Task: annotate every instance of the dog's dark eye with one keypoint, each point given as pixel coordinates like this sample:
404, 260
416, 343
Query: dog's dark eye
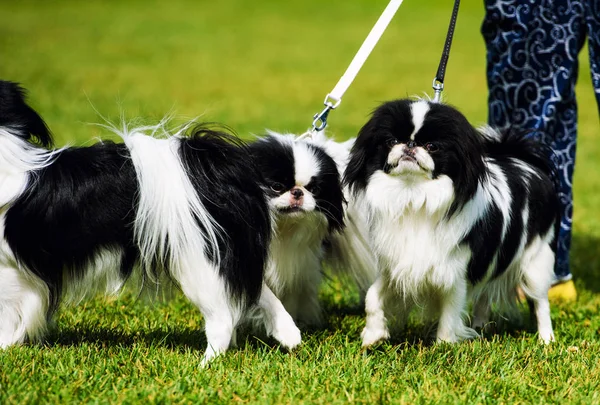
313, 188
431, 147
391, 142
277, 187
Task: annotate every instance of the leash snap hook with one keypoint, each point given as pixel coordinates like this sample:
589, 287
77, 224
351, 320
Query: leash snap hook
438, 87
320, 119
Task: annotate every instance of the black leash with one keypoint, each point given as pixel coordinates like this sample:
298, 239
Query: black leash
438, 81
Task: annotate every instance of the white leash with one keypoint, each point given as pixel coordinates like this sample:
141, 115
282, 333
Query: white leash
334, 98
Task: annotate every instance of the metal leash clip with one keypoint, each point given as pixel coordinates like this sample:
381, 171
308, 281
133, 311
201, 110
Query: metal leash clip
334, 98
320, 119
438, 87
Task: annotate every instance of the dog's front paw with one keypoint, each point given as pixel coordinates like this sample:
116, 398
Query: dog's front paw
209, 356
546, 337
370, 336
456, 335
288, 334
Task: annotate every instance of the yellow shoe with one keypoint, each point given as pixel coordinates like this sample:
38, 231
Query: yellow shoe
563, 292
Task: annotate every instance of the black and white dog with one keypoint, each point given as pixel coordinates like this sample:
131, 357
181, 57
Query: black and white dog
76, 221
452, 209
313, 225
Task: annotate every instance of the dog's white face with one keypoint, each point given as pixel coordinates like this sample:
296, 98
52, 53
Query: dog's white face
294, 201
408, 156
300, 178
421, 144
300, 198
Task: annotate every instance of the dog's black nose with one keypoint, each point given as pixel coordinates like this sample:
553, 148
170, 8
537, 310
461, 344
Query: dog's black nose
411, 144
297, 193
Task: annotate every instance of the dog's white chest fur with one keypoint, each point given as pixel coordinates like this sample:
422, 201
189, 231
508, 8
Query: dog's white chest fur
415, 244
294, 271
418, 253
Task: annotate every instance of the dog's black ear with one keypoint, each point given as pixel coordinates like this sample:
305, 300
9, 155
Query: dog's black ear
20, 117
356, 176
334, 209
330, 198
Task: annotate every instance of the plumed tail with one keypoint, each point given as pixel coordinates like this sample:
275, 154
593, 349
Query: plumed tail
520, 145
22, 133
17, 117
216, 134
19, 156
526, 147
172, 228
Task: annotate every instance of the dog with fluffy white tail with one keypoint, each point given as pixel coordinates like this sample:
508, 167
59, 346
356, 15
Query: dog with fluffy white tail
187, 210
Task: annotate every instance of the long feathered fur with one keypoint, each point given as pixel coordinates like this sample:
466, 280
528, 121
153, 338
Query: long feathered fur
81, 220
451, 210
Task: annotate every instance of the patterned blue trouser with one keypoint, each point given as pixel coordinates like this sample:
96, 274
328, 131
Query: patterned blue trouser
532, 48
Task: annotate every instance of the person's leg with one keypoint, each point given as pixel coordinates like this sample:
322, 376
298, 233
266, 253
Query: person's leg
531, 70
592, 15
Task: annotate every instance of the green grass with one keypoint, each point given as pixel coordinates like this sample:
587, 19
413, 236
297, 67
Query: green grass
263, 64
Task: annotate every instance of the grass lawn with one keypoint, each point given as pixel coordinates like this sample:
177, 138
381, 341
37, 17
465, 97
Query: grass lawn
268, 64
